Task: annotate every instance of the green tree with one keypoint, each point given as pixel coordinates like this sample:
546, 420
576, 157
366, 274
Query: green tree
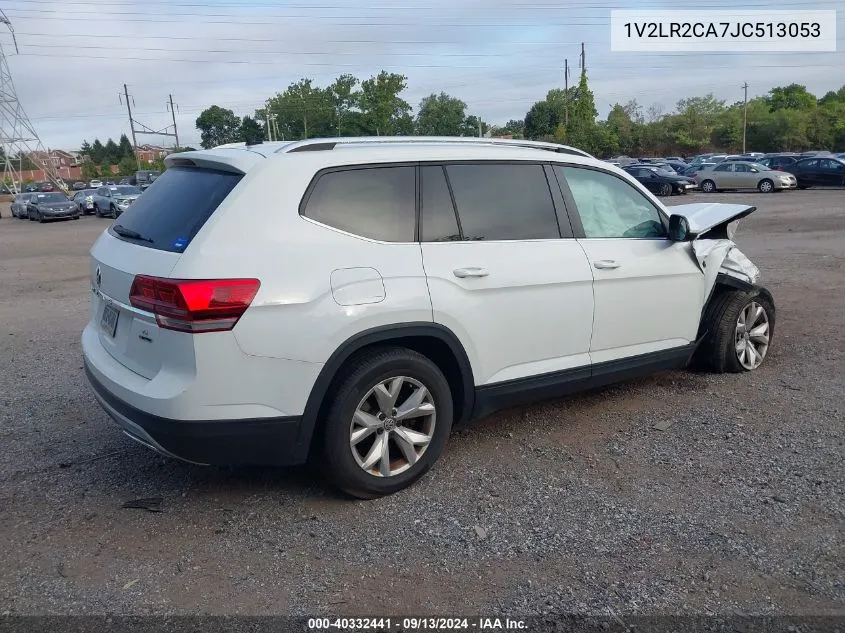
471, 126
112, 153
89, 170
441, 115
126, 149
792, 97
127, 165
303, 111
542, 120
385, 112
85, 148
251, 132
581, 130
218, 126
345, 101
691, 128
98, 152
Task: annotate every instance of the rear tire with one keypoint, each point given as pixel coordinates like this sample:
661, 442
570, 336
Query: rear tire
719, 351
353, 399
708, 186
765, 186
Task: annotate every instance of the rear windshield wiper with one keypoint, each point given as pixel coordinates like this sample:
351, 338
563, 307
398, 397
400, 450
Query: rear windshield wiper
132, 235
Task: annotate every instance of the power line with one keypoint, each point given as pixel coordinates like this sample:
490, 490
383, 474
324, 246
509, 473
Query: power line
374, 63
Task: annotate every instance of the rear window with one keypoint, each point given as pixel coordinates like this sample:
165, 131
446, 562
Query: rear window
171, 212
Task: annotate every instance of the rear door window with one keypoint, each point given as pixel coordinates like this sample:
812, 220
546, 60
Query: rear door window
171, 212
438, 222
503, 201
374, 202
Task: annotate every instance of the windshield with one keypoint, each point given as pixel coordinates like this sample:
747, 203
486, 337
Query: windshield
126, 190
663, 171
760, 167
51, 197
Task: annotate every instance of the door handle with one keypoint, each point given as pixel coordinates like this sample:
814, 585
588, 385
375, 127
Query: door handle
470, 271
606, 264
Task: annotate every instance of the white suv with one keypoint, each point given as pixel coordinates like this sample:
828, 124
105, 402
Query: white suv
350, 300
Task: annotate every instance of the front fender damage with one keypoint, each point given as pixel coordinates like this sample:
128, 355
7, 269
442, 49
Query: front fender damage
713, 226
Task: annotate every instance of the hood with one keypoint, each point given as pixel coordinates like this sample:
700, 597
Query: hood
130, 197
56, 205
711, 217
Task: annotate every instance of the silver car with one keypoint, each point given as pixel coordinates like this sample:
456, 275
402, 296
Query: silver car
744, 175
112, 200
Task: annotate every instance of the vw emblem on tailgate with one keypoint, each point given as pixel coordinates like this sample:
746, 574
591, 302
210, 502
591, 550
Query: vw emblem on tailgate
98, 277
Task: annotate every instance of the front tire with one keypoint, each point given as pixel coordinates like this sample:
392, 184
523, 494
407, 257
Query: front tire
766, 186
740, 327
708, 186
665, 190
389, 418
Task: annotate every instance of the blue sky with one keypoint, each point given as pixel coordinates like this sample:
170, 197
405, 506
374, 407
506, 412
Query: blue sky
499, 57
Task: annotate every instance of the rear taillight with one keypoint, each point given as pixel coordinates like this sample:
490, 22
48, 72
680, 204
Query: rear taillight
194, 305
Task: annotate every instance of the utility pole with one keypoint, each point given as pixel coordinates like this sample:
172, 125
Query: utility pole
131, 124
139, 128
583, 59
479, 128
173, 112
744, 115
566, 91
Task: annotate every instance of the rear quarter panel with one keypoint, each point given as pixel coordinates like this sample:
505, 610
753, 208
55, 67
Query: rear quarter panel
258, 232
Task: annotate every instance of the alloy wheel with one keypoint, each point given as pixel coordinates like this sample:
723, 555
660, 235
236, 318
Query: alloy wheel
392, 426
752, 335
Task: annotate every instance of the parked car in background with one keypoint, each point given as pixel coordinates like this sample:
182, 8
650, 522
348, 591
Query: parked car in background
623, 160
114, 200
18, 206
752, 156
95, 183
816, 152
78, 186
678, 165
819, 172
47, 187
744, 175
125, 181
693, 170
51, 206
85, 201
143, 178
779, 162
674, 159
660, 181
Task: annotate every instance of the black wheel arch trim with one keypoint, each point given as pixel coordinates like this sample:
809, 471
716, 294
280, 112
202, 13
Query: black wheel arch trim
382, 334
727, 281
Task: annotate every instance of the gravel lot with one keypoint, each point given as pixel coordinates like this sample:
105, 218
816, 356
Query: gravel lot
577, 505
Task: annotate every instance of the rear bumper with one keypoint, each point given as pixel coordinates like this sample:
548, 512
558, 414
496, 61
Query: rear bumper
269, 441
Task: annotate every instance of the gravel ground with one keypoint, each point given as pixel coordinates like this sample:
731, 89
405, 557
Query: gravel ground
581, 505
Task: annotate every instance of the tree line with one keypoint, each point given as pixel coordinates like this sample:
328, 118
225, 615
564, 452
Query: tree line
787, 118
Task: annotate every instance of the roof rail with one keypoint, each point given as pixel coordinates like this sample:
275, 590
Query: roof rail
323, 144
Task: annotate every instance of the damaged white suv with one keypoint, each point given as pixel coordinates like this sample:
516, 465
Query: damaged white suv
350, 300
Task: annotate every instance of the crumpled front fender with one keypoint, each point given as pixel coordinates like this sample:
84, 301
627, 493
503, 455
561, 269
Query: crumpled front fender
722, 256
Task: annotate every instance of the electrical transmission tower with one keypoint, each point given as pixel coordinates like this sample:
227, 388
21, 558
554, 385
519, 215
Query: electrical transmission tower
19, 143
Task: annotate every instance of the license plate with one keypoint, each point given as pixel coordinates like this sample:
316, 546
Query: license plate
109, 319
